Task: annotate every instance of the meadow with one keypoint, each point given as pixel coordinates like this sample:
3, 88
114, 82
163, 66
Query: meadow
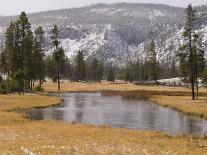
19, 135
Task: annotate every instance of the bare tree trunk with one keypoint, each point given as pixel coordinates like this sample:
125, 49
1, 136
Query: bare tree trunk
196, 73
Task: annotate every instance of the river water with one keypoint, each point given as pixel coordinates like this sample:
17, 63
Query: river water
95, 109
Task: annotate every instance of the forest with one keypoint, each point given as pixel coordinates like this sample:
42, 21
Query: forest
23, 60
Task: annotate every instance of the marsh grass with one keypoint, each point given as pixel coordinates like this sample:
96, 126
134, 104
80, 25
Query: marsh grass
18, 135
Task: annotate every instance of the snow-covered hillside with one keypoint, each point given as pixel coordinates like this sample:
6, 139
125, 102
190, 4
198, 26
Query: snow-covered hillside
113, 33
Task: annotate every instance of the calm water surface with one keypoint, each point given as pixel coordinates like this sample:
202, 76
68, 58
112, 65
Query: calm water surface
95, 109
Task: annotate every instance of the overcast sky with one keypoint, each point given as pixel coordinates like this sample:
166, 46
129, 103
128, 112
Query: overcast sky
13, 7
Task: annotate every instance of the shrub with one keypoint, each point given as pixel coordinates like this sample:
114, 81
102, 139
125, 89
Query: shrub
38, 88
54, 79
3, 89
12, 86
9, 86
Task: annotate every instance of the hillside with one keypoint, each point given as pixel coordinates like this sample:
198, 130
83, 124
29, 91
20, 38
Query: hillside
113, 33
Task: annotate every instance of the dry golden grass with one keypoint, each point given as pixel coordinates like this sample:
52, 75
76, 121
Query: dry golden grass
183, 104
19, 135
10, 103
59, 138
91, 87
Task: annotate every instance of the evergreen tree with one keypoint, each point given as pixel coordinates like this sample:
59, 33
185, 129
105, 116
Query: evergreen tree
10, 49
18, 47
128, 72
58, 52
25, 46
199, 52
100, 71
4, 62
188, 55
51, 68
152, 61
173, 70
59, 57
111, 75
38, 56
80, 70
55, 37
66, 69
95, 70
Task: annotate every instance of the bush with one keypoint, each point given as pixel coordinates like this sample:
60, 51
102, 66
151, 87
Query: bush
54, 79
3, 89
38, 88
12, 86
9, 86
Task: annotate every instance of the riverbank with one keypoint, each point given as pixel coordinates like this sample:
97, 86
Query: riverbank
19, 135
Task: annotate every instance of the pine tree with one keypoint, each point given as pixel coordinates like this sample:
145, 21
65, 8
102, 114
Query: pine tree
25, 47
38, 56
55, 37
4, 62
51, 68
58, 52
80, 70
100, 70
9, 48
152, 61
95, 70
18, 46
59, 57
111, 75
199, 52
188, 53
128, 72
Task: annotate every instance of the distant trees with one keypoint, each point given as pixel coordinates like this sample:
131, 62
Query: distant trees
111, 74
95, 70
128, 72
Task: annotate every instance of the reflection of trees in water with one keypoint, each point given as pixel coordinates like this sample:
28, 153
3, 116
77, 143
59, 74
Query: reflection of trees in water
80, 105
57, 114
193, 126
35, 114
80, 101
79, 116
152, 117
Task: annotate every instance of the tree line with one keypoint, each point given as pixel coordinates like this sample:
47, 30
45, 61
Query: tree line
23, 60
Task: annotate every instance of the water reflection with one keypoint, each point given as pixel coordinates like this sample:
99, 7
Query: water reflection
92, 108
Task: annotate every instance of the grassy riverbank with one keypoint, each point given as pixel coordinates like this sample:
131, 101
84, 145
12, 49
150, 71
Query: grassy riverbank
18, 135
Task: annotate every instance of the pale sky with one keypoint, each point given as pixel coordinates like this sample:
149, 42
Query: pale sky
14, 7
